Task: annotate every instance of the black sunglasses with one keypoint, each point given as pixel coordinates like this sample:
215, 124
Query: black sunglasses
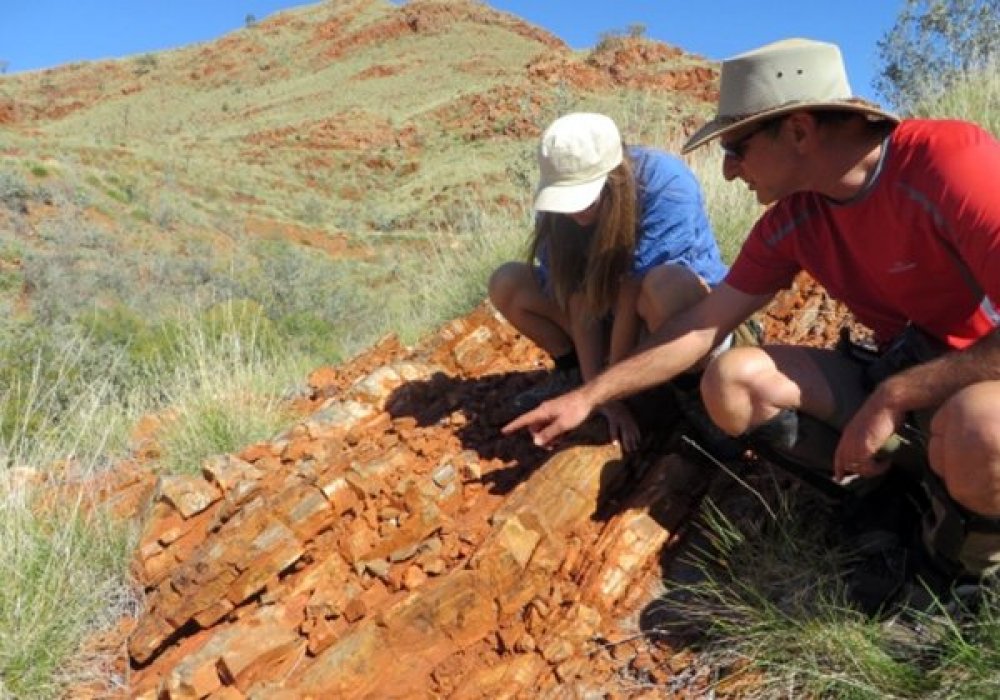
737, 150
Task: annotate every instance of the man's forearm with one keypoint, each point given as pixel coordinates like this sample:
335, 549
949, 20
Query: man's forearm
653, 365
675, 346
930, 384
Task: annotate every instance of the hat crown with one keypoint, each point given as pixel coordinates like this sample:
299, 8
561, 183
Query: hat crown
578, 148
783, 73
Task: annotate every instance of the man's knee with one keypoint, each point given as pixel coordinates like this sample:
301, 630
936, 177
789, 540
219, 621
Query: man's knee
965, 447
730, 384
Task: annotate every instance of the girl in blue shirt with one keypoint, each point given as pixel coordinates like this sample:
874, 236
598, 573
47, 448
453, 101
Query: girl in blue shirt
621, 243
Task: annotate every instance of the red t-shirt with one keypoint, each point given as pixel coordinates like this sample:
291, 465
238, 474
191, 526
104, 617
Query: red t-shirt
892, 254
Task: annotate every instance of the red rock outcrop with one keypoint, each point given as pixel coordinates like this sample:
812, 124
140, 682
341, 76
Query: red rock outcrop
393, 544
420, 17
632, 63
806, 315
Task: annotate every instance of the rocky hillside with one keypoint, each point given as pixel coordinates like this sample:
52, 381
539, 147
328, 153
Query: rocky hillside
392, 543
307, 163
336, 120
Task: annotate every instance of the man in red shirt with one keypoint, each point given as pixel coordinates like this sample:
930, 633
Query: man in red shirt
900, 221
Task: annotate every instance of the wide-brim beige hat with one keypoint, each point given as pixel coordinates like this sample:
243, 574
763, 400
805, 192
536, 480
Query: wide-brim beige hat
782, 77
575, 155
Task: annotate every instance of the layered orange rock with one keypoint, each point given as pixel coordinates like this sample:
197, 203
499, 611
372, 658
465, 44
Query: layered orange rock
394, 544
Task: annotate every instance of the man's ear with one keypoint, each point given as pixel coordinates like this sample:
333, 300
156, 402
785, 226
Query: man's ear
804, 130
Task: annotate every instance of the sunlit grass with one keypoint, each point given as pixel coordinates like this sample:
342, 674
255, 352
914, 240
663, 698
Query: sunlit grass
732, 208
63, 577
759, 593
975, 98
64, 561
223, 391
63, 565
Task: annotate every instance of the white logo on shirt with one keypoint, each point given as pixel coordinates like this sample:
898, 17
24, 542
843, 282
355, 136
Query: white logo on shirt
901, 266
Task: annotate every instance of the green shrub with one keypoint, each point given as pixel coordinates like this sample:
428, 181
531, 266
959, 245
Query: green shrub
224, 384
311, 335
14, 189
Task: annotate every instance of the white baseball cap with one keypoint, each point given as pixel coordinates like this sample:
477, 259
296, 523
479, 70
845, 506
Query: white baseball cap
575, 155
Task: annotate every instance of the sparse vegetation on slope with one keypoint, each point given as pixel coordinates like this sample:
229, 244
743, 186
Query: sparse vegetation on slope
184, 235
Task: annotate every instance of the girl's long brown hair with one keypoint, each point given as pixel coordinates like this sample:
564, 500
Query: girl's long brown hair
592, 260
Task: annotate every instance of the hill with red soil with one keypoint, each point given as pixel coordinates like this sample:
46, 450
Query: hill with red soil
346, 136
313, 117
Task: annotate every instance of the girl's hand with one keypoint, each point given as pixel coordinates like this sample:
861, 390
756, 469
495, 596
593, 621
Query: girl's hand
621, 425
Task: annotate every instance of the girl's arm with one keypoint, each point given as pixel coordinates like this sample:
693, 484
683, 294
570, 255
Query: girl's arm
588, 339
624, 337
625, 329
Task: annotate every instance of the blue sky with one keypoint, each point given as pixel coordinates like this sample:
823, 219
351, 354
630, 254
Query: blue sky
42, 33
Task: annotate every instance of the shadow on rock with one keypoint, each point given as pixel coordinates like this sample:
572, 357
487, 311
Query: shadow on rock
477, 409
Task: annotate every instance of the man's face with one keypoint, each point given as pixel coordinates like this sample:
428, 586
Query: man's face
758, 156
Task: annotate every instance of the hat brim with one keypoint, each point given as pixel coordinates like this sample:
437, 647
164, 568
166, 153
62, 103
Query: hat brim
720, 126
569, 199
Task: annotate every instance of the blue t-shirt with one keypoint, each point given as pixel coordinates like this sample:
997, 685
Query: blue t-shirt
673, 227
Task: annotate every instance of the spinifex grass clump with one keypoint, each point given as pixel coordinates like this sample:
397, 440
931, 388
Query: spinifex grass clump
62, 563
68, 420
974, 97
224, 387
759, 594
63, 577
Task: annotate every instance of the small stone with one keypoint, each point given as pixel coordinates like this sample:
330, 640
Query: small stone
404, 553
557, 651
431, 545
379, 568
508, 638
413, 577
444, 475
434, 566
472, 470
391, 514
570, 669
643, 662
354, 611
189, 495
541, 606
623, 652
525, 644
